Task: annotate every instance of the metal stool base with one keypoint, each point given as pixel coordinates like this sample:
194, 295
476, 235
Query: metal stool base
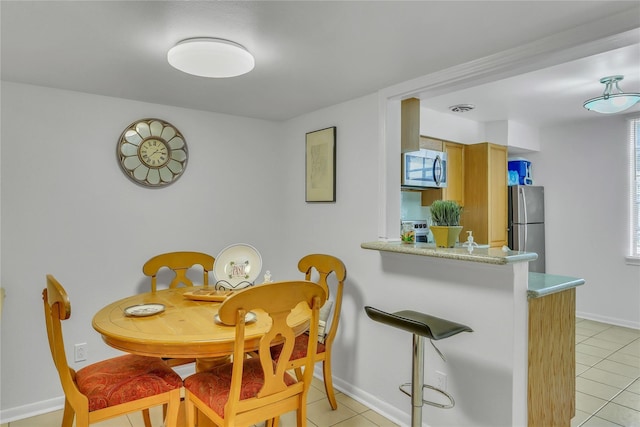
428, 402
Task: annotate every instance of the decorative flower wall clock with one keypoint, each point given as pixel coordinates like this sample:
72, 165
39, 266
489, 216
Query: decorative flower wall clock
152, 152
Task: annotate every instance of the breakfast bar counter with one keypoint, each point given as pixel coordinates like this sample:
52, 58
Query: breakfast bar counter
484, 255
522, 349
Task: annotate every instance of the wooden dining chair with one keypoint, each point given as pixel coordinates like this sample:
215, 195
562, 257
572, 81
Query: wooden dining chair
180, 263
250, 390
323, 265
112, 387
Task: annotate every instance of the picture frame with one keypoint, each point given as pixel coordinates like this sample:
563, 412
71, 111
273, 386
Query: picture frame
320, 165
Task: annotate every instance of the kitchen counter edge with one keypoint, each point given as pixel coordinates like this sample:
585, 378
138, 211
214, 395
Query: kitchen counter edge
483, 255
543, 284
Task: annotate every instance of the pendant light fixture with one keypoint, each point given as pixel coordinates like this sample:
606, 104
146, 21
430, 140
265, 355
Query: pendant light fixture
612, 102
210, 57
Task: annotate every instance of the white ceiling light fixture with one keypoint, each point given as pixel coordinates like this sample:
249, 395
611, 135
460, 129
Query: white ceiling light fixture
611, 102
211, 57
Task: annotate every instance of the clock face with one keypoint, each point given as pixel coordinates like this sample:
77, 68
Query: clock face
152, 152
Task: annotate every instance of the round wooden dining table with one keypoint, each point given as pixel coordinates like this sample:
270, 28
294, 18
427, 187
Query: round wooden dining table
185, 329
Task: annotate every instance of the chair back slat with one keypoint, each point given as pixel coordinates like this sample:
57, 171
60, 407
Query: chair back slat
180, 263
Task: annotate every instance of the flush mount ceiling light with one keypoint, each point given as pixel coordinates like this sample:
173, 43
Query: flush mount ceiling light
462, 108
610, 102
210, 57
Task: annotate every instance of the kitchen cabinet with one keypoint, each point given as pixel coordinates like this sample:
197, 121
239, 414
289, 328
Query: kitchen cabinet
431, 144
485, 193
410, 125
455, 172
552, 366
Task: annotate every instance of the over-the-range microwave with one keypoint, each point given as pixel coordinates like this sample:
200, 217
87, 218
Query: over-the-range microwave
424, 169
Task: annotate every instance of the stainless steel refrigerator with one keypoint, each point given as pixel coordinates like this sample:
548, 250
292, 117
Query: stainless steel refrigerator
526, 222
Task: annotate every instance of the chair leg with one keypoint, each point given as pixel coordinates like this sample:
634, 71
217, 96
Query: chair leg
298, 372
190, 409
173, 408
68, 414
273, 422
146, 417
328, 383
301, 416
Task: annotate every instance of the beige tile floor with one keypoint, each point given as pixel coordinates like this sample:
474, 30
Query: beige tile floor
607, 375
607, 389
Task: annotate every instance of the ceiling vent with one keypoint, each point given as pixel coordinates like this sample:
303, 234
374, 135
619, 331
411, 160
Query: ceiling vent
462, 108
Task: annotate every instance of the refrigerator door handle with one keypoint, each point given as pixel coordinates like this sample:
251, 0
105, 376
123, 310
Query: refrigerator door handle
524, 209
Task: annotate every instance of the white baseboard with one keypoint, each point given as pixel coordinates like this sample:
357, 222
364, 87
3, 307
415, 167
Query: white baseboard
31, 410
609, 320
389, 412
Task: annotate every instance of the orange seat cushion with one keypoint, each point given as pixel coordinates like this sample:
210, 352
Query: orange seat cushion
212, 387
299, 348
124, 379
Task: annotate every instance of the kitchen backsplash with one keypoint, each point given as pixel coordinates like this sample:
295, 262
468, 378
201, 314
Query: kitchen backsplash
411, 207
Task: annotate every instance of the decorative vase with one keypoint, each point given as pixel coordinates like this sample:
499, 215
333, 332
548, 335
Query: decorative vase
408, 234
445, 235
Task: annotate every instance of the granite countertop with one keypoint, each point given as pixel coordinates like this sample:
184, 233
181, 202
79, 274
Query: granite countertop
481, 254
542, 284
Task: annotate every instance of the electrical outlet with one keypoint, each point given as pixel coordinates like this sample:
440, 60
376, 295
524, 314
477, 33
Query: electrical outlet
441, 380
80, 352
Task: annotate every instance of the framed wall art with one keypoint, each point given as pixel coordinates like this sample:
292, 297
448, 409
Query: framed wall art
321, 165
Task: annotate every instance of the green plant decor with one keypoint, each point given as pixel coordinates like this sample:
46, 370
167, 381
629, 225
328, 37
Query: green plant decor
445, 213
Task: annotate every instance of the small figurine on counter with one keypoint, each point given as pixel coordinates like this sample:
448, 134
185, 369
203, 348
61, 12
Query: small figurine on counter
470, 243
267, 277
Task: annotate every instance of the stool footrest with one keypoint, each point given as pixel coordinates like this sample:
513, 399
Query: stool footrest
428, 402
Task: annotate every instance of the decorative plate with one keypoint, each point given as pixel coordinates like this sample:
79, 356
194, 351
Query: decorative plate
250, 317
208, 294
237, 266
152, 152
144, 310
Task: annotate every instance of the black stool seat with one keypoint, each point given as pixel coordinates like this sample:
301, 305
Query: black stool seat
418, 323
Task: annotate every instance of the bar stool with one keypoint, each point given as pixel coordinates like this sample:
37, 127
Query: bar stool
420, 325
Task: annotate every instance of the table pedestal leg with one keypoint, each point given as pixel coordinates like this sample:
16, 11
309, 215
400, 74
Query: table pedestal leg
207, 363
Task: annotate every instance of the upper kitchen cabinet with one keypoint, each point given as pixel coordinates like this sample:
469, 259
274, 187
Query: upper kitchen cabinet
410, 125
454, 169
431, 144
485, 193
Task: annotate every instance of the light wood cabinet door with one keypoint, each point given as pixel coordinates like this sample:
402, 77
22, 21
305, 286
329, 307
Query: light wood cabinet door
485, 193
410, 125
455, 172
552, 360
497, 195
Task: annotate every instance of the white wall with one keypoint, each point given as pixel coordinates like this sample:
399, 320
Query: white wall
583, 167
